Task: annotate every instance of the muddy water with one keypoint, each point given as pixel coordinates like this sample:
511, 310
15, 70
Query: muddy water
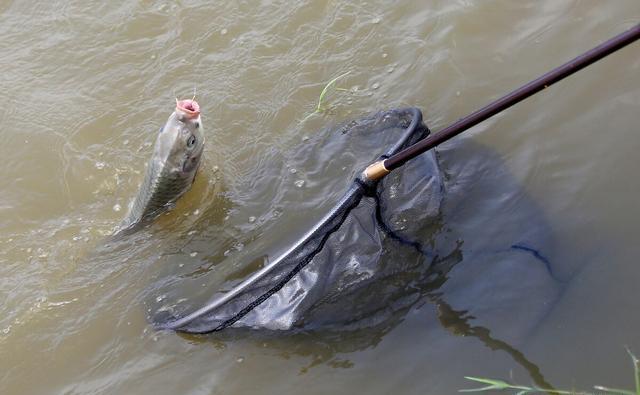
86, 85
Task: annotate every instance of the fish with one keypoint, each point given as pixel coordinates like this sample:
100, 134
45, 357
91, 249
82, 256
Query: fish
177, 154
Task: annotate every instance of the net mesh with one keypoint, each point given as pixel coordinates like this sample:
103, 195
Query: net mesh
359, 262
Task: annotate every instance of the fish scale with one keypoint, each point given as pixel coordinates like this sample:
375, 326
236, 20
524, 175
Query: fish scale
158, 191
171, 170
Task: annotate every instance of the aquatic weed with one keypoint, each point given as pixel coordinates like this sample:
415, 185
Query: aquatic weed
320, 108
500, 385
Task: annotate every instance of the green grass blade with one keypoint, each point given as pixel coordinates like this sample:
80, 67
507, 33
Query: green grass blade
636, 370
614, 391
320, 108
522, 390
326, 89
492, 385
308, 116
497, 383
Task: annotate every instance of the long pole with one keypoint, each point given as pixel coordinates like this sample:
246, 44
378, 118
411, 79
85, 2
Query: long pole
382, 168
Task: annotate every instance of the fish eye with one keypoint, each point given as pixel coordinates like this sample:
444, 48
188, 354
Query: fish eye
192, 141
197, 125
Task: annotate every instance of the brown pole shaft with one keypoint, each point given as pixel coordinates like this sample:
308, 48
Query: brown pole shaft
514, 97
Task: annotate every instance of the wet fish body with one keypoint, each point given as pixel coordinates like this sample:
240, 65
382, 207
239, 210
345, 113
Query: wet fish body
170, 173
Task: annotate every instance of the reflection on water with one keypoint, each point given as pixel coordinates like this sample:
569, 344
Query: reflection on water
331, 348
458, 322
87, 85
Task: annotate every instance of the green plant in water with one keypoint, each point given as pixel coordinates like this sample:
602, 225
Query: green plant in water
320, 108
500, 385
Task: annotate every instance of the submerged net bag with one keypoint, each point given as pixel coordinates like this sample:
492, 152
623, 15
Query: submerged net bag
363, 260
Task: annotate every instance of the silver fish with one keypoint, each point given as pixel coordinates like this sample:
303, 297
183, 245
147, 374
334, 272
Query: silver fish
172, 168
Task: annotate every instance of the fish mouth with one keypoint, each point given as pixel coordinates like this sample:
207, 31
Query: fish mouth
190, 108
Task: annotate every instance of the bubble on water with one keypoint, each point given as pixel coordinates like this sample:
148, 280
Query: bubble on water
305, 138
299, 183
99, 165
117, 207
293, 171
384, 55
196, 212
193, 254
6, 330
224, 31
181, 265
240, 359
252, 219
192, 232
376, 85
160, 298
126, 142
390, 69
29, 250
376, 20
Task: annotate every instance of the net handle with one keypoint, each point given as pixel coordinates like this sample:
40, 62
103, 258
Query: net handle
381, 168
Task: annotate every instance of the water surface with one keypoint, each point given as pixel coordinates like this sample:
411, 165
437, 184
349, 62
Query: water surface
86, 86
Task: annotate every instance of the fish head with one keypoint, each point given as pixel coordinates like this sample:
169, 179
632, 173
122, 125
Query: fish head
181, 140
